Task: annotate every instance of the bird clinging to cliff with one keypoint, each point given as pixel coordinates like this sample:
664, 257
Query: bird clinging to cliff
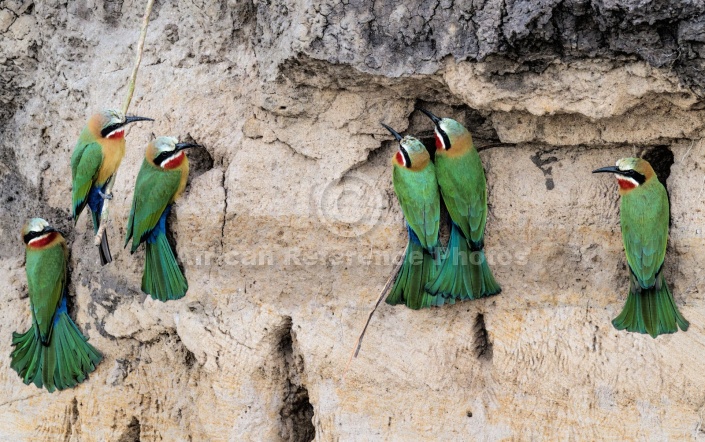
161, 180
644, 215
464, 273
52, 353
95, 160
415, 184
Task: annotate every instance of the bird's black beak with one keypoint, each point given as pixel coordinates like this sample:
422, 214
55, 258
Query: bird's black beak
435, 119
393, 132
133, 119
182, 146
608, 169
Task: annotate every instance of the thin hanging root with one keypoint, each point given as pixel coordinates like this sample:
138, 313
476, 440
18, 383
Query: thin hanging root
104, 214
385, 290
138, 59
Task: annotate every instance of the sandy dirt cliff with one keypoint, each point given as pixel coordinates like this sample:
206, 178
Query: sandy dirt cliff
289, 224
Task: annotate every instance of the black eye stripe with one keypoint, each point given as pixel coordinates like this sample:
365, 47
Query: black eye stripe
633, 174
32, 235
162, 156
446, 140
106, 131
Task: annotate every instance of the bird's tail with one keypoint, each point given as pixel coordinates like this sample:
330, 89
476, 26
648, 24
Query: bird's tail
419, 267
162, 276
104, 247
464, 273
651, 310
62, 363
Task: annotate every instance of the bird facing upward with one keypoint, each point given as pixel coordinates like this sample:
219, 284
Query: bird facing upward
464, 273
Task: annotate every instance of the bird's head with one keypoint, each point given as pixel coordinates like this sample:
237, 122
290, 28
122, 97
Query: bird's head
451, 136
37, 233
110, 124
630, 173
167, 152
412, 154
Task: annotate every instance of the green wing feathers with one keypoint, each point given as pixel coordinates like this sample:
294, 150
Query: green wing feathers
46, 280
420, 202
650, 307
52, 353
464, 190
644, 219
154, 190
85, 164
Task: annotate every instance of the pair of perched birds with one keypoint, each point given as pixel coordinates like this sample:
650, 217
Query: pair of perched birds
431, 275
53, 353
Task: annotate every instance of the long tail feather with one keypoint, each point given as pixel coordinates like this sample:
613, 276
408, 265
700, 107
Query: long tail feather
104, 249
162, 276
419, 267
651, 311
95, 204
63, 363
464, 274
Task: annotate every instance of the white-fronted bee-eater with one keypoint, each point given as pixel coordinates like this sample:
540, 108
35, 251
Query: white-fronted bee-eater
464, 273
52, 353
644, 215
414, 179
95, 160
161, 180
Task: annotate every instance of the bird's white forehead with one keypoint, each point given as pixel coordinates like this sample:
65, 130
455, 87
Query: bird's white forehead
113, 116
165, 143
37, 225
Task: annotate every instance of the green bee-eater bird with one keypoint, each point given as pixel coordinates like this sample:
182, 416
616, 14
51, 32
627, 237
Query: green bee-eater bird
414, 180
644, 215
95, 160
464, 273
161, 180
52, 353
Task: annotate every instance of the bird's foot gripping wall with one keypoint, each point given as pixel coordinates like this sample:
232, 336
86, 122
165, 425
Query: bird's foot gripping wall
289, 227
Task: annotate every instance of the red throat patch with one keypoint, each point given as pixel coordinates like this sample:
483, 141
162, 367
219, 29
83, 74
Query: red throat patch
174, 162
439, 143
625, 184
399, 158
117, 135
42, 240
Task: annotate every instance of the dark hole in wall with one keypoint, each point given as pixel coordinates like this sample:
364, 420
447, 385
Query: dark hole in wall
297, 411
132, 432
113, 11
661, 159
483, 345
189, 358
200, 161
